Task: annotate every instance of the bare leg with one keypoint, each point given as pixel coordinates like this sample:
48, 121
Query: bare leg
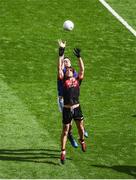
80, 128
64, 136
71, 138
81, 134
70, 128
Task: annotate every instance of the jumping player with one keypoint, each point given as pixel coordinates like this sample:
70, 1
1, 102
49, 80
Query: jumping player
65, 63
71, 91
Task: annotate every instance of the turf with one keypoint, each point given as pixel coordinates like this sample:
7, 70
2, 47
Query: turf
30, 124
126, 9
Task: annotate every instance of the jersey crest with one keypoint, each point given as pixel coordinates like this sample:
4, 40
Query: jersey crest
69, 83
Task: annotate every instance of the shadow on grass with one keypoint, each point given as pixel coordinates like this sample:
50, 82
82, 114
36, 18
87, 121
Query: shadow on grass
130, 170
134, 115
49, 156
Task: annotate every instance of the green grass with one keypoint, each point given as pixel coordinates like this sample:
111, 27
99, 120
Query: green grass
126, 9
30, 124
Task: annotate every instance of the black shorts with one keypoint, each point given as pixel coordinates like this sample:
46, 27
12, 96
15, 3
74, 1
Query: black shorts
69, 114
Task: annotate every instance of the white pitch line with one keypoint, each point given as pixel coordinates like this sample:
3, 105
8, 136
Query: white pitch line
114, 13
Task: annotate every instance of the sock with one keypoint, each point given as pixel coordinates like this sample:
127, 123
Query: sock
63, 151
81, 140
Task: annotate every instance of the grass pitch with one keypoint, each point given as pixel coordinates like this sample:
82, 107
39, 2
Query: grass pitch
30, 124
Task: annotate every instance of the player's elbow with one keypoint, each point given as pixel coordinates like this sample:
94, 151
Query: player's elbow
81, 75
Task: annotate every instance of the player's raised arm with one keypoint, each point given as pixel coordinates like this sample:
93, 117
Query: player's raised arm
81, 64
62, 46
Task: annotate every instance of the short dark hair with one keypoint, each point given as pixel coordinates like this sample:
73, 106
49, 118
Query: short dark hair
70, 68
66, 71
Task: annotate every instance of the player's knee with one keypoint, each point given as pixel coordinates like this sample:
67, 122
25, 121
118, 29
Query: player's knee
81, 127
65, 133
65, 130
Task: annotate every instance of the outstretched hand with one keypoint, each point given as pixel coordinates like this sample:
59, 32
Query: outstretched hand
77, 52
62, 43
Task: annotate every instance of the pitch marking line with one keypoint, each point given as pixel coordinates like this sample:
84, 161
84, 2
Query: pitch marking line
114, 13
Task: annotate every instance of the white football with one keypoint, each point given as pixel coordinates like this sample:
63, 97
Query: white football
68, 25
